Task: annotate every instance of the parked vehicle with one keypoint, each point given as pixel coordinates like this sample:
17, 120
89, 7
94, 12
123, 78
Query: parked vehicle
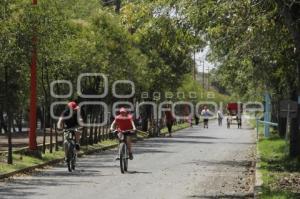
234, 114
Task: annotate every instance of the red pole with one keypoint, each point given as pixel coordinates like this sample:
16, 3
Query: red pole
33, 97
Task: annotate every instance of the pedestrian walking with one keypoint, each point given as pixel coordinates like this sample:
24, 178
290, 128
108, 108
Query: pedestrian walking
169, 121
190, 121
206, 114
220, 117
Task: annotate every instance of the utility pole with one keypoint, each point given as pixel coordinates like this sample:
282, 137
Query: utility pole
203, 75
33, 97
207, 77
194, 66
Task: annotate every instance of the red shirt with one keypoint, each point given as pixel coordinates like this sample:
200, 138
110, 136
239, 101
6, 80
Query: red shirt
169, 116
124, 123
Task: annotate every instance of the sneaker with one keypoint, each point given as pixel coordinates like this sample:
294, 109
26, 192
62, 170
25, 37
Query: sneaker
130, 156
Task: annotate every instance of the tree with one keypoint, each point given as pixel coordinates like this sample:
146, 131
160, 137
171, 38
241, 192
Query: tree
256, 44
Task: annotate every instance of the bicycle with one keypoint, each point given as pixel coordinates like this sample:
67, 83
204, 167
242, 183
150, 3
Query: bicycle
123, 150
70, 148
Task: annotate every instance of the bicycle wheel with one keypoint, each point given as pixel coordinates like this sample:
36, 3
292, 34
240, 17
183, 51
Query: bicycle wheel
122, 155
125, 159
73, 161
70, 156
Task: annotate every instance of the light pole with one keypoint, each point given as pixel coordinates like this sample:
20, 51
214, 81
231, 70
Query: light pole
33, 97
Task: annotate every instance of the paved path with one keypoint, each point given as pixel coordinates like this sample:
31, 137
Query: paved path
195, 163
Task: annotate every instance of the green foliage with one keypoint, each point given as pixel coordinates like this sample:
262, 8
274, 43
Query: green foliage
250, 41
194, 92
145, 43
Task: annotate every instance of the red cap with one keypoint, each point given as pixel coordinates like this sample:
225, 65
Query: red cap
73, 105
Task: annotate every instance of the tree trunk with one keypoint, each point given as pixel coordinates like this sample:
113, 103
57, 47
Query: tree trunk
95, 129
84, 140
44, 131
91, 129
56, 136
291, 14
282, 127
118, 6
9, 118
294, 130
9, 156
3, 124
51, 135
19, 121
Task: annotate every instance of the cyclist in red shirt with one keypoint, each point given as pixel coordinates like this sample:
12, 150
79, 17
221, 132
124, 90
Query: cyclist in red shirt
123, 123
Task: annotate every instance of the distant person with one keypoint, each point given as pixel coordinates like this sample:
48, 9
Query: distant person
239, 119
190, 121
206, 114
220, 117
169, 121
196, 120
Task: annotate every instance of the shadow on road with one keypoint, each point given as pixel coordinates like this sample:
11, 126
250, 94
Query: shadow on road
236, 163
178, 141
197, 137
138, 172
232, 196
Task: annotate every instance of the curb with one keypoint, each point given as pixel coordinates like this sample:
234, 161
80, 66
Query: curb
258, 175
258, 182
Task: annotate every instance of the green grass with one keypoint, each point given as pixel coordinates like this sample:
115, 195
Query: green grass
278, 170
21, 161
175, 128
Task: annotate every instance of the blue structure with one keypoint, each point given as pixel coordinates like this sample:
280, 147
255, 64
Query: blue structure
267, 114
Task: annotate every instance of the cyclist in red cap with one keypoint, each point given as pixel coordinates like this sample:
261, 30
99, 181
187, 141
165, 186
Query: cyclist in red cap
123, 123
69, 119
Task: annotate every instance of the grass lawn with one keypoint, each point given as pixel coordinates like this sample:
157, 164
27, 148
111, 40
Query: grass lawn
280, 174
21, 161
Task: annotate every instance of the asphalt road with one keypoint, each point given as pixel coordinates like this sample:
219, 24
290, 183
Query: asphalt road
194, 163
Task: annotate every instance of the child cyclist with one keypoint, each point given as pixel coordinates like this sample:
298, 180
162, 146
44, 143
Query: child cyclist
123, 123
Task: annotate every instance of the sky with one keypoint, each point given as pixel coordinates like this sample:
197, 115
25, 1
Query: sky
200, 57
